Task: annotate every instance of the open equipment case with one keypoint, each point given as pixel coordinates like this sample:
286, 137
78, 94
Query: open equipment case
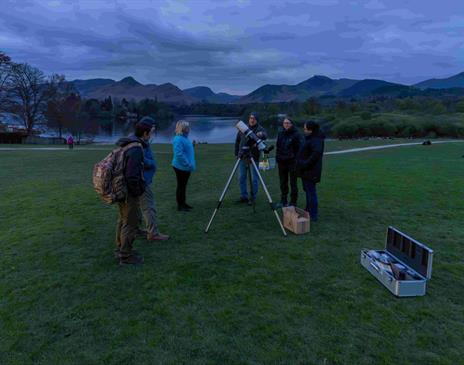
403, 267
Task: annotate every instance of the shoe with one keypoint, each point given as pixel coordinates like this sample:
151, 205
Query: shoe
251, 202
188, 206
242, 200
131, 260
183, 209
157, 237
117, 253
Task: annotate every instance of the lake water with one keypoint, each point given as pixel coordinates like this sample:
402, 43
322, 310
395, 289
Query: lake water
202, 129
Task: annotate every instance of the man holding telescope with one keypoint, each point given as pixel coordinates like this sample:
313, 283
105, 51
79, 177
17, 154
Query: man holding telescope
240, 142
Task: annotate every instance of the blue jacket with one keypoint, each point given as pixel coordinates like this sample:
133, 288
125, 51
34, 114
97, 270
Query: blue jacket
184, 156
149, 164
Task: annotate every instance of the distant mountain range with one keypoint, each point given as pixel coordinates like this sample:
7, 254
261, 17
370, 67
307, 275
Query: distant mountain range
205, 94
315, 86
129, 88
448, 83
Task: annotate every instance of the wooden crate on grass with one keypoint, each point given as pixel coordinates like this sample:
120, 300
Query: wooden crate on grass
296, 220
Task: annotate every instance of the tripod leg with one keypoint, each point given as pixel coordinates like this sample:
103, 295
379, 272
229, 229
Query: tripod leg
269, 198
221, 198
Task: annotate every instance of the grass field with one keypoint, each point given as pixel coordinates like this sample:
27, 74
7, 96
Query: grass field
242, 294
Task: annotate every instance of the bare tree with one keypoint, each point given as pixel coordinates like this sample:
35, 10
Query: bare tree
29, 92
5, 74
63, 108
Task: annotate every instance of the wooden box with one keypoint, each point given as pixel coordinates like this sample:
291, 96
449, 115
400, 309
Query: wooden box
296, 220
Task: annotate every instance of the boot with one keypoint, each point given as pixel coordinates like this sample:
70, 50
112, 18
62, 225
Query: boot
117, 253
131, 260
183, 208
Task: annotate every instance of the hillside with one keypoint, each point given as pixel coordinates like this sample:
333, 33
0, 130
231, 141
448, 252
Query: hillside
447, 83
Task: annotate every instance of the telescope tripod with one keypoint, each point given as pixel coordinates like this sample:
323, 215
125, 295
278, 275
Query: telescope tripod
250, 163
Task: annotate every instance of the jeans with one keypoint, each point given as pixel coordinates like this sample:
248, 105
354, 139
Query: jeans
286, 169
182, 180
311, 198
243, 180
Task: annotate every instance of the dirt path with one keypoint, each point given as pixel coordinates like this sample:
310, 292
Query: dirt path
370, 148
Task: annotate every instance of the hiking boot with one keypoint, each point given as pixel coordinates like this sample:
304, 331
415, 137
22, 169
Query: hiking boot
251, 202
242, 200
131, 260
188, 206
117, 253
157, 237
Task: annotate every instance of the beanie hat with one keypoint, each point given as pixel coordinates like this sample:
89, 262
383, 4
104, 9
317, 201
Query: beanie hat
256, 115
147, 122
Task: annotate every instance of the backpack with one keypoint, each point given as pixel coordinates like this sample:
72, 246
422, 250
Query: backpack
108, 175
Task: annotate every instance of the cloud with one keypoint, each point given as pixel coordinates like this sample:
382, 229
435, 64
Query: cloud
235, 45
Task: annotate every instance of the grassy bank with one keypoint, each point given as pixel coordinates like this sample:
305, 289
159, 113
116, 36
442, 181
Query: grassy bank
242, 293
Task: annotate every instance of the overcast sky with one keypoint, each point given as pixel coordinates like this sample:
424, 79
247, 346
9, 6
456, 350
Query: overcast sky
236, 46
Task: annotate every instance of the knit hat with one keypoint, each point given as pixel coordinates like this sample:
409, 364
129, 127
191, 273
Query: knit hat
256, 115
147, 122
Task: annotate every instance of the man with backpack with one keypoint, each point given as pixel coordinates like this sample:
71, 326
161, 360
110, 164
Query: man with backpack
129, 209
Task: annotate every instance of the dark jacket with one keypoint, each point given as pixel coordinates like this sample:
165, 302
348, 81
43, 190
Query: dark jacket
134, 166
287, 145
241, 141
309, 159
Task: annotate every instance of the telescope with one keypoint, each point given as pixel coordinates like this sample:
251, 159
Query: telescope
251, 136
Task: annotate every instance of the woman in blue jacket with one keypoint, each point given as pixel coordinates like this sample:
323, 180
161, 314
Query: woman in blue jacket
183, 162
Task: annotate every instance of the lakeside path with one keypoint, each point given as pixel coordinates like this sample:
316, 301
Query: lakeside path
350, 150
370, 148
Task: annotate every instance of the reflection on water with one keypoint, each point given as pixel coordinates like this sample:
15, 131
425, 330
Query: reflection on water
202, 129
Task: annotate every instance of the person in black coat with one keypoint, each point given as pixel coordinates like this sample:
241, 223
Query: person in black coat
309, 165
288, 145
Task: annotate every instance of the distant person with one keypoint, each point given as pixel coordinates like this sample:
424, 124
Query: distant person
70, 142
240, 142
183, 163
147, 200
129, 210
288, 145
309, 165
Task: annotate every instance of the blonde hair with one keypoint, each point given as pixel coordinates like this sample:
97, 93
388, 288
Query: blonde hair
181, 126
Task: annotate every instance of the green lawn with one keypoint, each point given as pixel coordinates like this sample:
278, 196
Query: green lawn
241, 294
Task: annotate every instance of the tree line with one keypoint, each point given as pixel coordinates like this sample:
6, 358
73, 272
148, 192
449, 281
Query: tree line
52, 101
38, 99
